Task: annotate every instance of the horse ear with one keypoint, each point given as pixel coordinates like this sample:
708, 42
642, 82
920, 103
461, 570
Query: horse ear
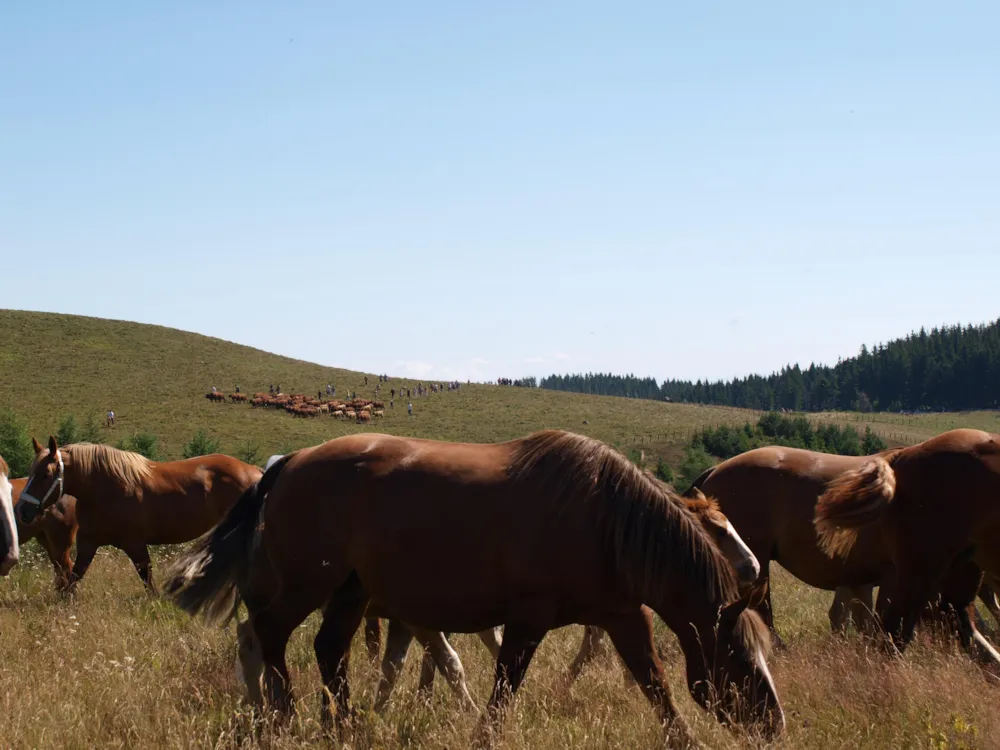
697, 494
53, 446
38, 448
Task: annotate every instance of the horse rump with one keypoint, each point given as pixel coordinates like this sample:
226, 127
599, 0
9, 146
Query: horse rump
205, 580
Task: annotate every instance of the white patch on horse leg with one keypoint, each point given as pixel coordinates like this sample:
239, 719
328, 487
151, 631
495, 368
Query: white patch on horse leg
451, 666
986, 646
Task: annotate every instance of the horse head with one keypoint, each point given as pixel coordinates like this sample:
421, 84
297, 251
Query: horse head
46, 481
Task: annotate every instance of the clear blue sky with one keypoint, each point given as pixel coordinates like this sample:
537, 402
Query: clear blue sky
473, 189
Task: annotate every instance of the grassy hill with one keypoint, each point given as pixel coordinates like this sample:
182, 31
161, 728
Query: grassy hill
155, 379
116, 668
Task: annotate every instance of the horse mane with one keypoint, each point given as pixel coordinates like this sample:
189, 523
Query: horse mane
4, 469
649, 531
854, 500
131, 469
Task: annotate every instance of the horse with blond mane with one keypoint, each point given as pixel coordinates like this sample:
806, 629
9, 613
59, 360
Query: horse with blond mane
128, 501
933, 507
534, 534
10, 552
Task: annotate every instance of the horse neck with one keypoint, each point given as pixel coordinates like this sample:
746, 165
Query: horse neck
96, 484
691, 612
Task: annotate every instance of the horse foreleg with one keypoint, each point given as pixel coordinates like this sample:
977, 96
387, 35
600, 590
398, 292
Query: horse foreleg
86, 548
987, 595
764, 607
341, 618
852, 604
519, 645
397, 643
591, 645
632, 637
139, 555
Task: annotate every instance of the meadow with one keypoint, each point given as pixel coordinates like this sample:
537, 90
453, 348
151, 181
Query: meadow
114, 667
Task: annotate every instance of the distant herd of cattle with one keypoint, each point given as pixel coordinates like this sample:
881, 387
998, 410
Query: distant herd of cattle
299, 405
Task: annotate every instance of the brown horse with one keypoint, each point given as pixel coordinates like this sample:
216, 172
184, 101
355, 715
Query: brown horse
705, 509
934, 506
54, 530
10, 552
128, 501
535, 533
770, 494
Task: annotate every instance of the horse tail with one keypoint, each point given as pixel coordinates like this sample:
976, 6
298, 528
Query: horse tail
853, 501
206, 579
698, 483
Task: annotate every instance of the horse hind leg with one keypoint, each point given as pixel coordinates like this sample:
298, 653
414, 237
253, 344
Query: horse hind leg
397, 643
492, 639
341, 618
439, 653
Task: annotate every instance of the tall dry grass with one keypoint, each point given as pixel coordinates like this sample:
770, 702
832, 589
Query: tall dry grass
116, 668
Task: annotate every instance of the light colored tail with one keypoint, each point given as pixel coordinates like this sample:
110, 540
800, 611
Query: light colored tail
851, 502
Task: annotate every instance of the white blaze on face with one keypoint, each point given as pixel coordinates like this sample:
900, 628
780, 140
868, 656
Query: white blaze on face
8, 528
749, 559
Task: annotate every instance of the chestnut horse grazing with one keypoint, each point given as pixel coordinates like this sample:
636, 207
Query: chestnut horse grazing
10, 553
934, 506
534, 534
55, 530
128, 501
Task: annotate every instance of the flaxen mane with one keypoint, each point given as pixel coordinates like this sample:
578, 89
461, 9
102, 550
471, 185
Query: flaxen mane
131, 469
651, 534
4, 469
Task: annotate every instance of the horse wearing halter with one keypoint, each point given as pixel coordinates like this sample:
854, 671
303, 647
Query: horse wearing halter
59, 482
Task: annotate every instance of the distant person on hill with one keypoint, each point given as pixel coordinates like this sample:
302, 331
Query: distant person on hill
111, 419
237, 389
271, 388
409, 409
392, 403
213, 389
392, 392
366, 380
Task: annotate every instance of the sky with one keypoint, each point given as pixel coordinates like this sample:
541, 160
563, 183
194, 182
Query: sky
481, 190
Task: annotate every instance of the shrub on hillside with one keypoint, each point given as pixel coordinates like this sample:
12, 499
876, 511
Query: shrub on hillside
68, 432
249, 453
143, 443
200, 445
794, 432
696, 461
15, 444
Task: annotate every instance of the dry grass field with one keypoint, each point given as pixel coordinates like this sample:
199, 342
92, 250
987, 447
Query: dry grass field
116, 668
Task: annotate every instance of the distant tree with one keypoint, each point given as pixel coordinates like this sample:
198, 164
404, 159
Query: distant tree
15, 444
951, 368
200, 445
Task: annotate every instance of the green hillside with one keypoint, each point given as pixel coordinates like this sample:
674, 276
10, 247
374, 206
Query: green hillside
155, 379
